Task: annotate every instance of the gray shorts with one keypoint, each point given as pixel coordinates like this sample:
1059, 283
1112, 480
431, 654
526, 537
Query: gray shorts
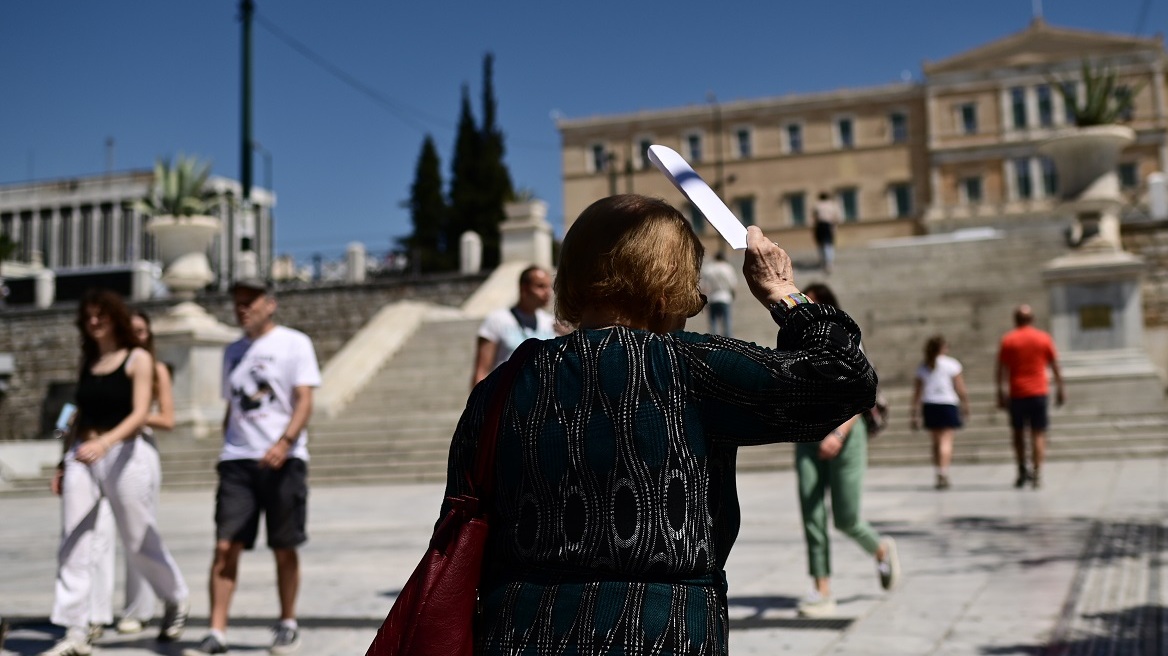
246, 490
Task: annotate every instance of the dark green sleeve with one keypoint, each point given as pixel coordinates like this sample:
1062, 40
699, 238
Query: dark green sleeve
814, 380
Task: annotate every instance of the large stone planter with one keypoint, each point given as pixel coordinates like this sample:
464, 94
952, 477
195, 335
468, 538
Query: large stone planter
182, 246
1085, 160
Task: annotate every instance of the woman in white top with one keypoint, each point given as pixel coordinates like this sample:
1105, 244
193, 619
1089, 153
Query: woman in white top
939, 397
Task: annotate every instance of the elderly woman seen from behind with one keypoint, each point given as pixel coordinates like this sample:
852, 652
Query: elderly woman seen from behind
615, 505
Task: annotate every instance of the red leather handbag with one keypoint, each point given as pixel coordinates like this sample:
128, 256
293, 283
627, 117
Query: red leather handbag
434, 613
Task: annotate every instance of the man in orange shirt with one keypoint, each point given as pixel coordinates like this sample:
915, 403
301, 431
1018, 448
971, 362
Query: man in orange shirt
1023, 357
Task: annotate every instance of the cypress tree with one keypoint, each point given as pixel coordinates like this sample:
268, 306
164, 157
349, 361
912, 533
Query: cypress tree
496, 179
466, 182
429, 245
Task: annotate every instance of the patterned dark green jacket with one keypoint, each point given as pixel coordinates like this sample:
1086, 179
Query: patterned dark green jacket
615, 505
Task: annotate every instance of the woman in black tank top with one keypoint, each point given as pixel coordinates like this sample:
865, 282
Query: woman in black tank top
105, 460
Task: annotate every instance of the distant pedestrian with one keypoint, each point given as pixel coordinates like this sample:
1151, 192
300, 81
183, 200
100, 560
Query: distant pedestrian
107, 459
939, 397
719, 282
836, 464
825, 217
268, 380
1023, 357
503, 330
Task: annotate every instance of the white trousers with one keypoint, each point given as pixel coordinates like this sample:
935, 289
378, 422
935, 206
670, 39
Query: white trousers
126, 479
140, 601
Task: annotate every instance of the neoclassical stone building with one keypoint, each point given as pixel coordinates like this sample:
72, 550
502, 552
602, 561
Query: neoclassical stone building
90, 222
956, 148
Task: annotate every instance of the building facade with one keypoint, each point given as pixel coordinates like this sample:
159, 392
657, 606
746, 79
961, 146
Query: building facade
91, 223
955, 148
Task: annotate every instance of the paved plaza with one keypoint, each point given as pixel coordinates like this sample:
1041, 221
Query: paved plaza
989, 570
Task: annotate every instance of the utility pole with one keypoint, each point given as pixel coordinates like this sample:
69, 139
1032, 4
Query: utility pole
246, 265
109, 155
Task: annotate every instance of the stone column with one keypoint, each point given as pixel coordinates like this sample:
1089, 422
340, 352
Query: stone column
74, 254
46, 288
1037, 179
192, 342
470, 253
115, 219
53, 258
34, 238
355, 263
526, 236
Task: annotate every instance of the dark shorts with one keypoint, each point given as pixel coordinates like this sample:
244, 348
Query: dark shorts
1029, 410
246, 490
940, 415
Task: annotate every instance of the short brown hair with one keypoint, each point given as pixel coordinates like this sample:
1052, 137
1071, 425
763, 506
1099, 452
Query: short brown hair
633, 254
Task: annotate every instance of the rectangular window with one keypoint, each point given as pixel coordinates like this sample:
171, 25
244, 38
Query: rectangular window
1070, 93
848, 204
1123, 96
969, 118
1049, 177
129, 245
645, 143
105, 217
86, 249
843, 128
902, 200
1045, 106
697, 219
26, 245
746, 211
1018, 106
47, 239
898, 124
694, 144
971, 188
599, 158
1022, 182
797, 208
1129, 175
794, 138
742, 136
65, 243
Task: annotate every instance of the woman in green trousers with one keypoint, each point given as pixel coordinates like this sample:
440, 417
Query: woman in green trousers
836, 464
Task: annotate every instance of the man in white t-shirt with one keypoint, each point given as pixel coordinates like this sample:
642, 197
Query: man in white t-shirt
504, 330
268, 381
719, 281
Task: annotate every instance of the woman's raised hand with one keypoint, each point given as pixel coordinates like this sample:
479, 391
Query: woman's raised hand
767, 268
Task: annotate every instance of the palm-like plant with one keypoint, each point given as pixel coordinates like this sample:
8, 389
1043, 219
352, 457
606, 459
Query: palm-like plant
179, 189
1104, 100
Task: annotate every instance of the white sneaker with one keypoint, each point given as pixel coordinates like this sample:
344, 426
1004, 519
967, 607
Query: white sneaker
130, 625
69, 646
816, 605
889, 568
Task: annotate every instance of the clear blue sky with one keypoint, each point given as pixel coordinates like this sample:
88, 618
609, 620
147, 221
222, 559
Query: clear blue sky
163, 76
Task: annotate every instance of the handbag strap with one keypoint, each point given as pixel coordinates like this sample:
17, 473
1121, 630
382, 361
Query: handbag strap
483, 477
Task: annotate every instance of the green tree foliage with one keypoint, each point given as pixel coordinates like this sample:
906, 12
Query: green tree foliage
429, 213
467, 197
8, 248
497, 188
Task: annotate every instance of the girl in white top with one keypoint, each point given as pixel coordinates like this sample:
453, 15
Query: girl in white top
939, 398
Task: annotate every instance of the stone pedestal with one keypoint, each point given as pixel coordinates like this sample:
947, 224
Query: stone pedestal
46, 288
526, 236
1097, 322
192, 341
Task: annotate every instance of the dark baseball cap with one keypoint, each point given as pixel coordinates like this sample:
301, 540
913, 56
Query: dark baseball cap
254, 284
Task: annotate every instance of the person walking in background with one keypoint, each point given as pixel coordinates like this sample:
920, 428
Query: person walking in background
615, 507
719, 282
139, 597
268, 381
825, 216
939, 397
1023, 389
836, 463
506, 328
106, 459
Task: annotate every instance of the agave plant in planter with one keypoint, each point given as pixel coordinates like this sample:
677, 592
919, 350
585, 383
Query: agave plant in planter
1086, 155
180, 203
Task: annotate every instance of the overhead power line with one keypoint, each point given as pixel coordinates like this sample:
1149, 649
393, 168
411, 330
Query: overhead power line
411, 116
